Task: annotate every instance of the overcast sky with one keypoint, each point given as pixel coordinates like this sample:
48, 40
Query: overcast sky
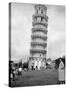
21, 25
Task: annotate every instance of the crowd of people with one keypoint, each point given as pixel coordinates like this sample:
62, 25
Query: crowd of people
15, 69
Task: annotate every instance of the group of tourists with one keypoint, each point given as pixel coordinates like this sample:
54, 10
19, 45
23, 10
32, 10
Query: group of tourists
17, 68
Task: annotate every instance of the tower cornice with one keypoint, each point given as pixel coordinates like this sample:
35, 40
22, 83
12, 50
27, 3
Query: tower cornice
40, 37
34, 30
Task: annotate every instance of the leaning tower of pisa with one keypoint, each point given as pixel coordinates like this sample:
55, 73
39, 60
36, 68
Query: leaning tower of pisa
38, 48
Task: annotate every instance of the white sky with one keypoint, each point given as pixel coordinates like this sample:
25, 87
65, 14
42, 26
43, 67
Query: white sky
21, 25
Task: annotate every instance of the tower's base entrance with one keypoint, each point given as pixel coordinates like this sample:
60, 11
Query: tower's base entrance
37, 63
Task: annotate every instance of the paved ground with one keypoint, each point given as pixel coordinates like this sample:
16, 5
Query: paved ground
33, 78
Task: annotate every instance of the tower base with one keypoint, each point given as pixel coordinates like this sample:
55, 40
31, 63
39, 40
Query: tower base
37, 63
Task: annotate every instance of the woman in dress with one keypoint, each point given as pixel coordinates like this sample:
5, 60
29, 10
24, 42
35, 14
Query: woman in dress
61, 72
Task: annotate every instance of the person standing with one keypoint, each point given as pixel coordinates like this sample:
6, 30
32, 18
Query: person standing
61, 72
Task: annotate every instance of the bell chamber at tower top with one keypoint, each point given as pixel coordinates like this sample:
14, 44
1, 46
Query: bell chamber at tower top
40, 9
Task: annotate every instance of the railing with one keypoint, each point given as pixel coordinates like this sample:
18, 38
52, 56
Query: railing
37, 51
39, 30
34, 44
40, 23
40, 26
40, 37
39, 41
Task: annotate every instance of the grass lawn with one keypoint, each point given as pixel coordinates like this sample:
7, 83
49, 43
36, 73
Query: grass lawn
36, 77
